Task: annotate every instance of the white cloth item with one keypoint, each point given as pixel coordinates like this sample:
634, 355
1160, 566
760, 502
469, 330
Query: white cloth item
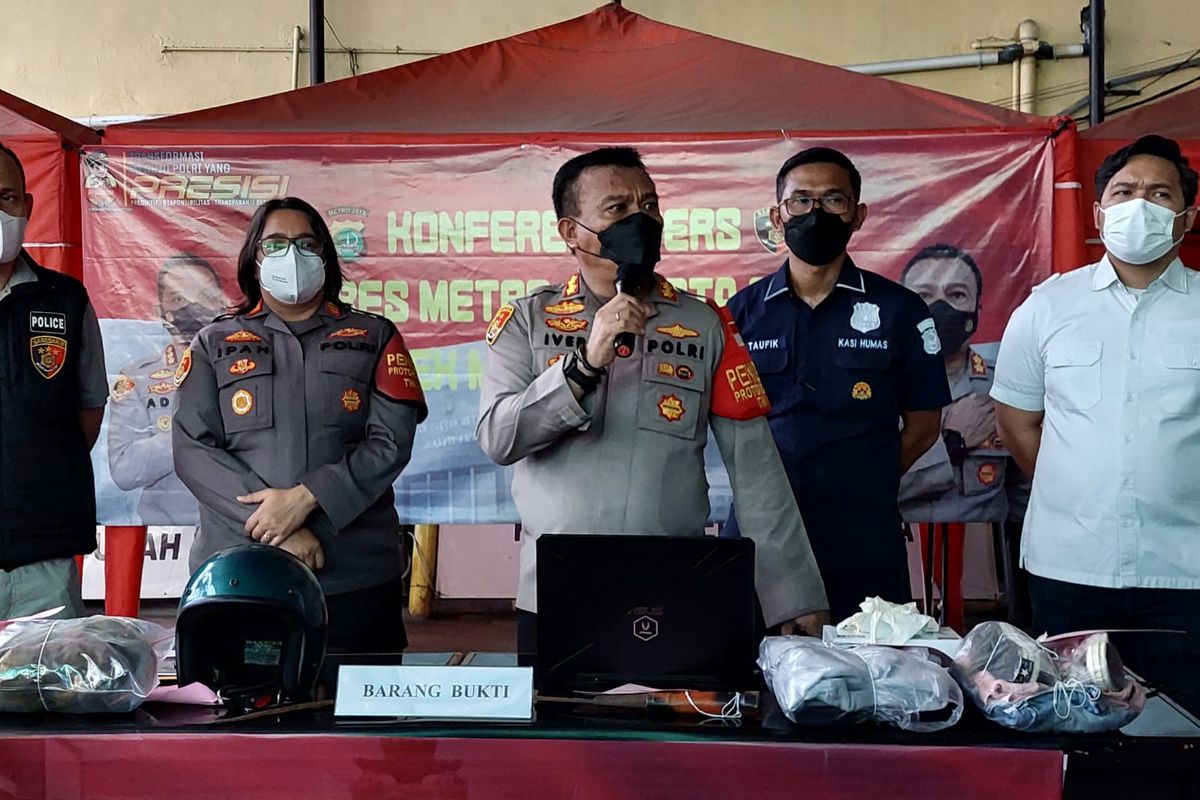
887, 623
1114, 502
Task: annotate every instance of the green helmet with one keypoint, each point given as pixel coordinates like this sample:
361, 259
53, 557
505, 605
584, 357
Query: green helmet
252, 626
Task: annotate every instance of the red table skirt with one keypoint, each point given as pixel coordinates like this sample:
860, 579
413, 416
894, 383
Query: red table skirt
264, 767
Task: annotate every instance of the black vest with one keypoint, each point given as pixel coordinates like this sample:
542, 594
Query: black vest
47, 491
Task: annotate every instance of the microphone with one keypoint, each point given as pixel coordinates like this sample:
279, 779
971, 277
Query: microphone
627, 282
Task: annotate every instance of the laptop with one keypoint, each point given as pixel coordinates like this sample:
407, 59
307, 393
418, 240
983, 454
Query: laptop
664, 611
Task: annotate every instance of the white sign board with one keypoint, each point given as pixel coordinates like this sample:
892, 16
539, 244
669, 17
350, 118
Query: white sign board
502, 693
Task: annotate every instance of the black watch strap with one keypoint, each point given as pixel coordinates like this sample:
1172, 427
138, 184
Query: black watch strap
575, 373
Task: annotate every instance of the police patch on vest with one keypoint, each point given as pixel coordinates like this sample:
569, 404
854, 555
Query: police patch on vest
242, 366
929, 337
667, 290
978, 365
498, 322
162, 374
47, 322
666, 370
169, 352
49, 353
351, 401
164, 423
162, 388
684, 372
243, 336
677, 331
554, 360
861, 391
242, 402
568, 325
185, 366
671, 408
572, 286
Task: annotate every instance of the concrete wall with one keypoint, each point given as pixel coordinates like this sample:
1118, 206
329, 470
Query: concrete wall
118, 57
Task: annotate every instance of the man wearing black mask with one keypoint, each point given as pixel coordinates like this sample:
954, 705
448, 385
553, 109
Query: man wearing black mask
844, 355
985, 482
607, 440
143, 396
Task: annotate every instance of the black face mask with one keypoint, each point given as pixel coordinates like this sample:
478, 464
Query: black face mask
954, 327
633, 243
818, 237
188, 320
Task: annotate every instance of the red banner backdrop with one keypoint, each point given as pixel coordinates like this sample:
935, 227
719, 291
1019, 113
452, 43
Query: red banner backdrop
437, 237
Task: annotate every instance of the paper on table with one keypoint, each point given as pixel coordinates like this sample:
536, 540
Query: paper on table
194, 694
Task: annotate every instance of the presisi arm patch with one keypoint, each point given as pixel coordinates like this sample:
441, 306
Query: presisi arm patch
396, 376
738, 392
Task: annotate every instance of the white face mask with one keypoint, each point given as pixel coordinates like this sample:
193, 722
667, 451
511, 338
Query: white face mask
12, 236
292, 277
1138, 231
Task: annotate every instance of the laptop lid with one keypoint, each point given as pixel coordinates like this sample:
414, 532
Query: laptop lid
667, 611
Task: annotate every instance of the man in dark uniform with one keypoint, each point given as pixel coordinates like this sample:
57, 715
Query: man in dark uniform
845, 355
52, 394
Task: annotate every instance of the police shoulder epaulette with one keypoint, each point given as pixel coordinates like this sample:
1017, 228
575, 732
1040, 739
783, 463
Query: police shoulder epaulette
352, 310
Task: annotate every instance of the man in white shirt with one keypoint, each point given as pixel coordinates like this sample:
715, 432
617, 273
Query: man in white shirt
1098, 385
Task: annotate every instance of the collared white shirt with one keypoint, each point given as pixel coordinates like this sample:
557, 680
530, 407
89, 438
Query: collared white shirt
1116, 497
21, 274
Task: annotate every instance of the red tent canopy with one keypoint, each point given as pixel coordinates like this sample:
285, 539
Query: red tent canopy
47, 145
1176, 116
610, 71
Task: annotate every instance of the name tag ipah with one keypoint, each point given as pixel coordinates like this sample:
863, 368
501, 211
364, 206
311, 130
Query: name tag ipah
441, 692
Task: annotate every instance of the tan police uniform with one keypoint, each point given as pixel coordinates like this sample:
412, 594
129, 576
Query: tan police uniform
628, 458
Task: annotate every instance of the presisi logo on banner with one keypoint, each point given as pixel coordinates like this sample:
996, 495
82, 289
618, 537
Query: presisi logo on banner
187, 178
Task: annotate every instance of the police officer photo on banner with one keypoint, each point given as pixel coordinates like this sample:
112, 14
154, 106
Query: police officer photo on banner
602, 389
968, 476
144, 395
295, 415
853, 369
52, 397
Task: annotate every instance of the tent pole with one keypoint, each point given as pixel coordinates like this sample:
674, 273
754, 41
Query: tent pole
297, 32
1094, 33
316, 42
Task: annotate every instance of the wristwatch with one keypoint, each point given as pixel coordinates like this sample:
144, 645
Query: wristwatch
577, 369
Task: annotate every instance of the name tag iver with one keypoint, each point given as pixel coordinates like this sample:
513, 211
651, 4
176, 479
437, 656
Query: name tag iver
444, 692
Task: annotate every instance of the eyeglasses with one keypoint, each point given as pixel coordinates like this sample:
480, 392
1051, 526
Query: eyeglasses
833, 203
277, 246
